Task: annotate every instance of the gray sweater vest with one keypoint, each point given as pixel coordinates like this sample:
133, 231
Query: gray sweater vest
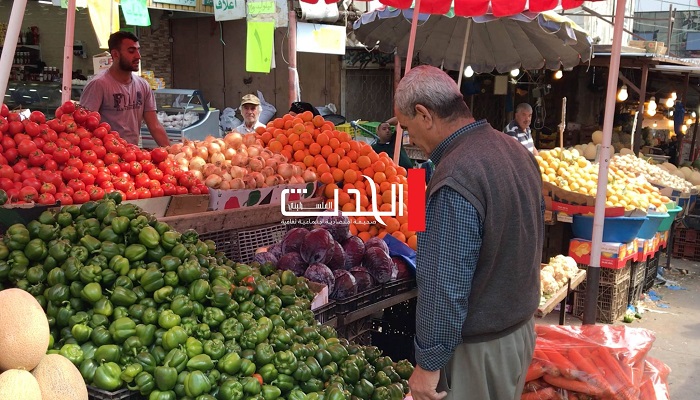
502, 180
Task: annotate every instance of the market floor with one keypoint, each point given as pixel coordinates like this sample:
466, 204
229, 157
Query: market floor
673, 314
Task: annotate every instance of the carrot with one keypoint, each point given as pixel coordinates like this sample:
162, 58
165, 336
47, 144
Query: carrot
606, 372
571, 384
647, 391
565, 367
614, 366
534, 371
594, 376
544, 394
533, 386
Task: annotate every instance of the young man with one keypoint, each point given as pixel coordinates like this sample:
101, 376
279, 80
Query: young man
122, 98
387, 142
519, 128
250, 109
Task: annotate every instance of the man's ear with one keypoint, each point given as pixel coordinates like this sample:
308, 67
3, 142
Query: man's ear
424, 114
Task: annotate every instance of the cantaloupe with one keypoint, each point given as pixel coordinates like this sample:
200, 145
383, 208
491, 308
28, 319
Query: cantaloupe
597, 137
59, 379
686, 172
25, 331
19, 384
589, 152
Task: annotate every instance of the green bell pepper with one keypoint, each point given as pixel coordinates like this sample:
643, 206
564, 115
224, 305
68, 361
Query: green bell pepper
404, 368
174, 337
201, 362
163, 294
149, 237
230, 389
122, 328
369, 373
196, 383
107, 376
108, 353
213, 316
130, 372
381, 379
230, 363
302, 373
189, 272
177, 359
104, 307
143, 382
100, 336
90, 273
285, 362
135, 252
284, 382
329, 370
88, 368
168, 319
214, 348
166, 377
202, 331
120, 225
81, 332
268, 372
182, 306
92, 292
349, 372
146, 333
193, 347
162, 395
312, 385
120, 265
16, 237
72, 352
391, 373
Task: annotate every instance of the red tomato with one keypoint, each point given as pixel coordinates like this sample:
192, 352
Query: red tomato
100, 162
6, 171
169, 189
97, 193
80, 115
135, 167
156, 174
33, 182
80, 197
14, 116
169, 179
46, 198
51, 177
143, 155
86, 144
68, 107
157, 192
90, 168
8, 143
153, 184
61, 155
48, 147
64, 198
4, 111
159, 155
100, 152
26, 147
38, 117
4, 124
91, 122
142, 180
32, 129
114, 168
6, 183
107, 186
76, 184
186, 180
87, 179
70, 126
37, 158
110, 158
48, 187
103, 176
57, 125
83, 133
195, 190
143, 193
75, 162
66, 189
147, 165
131, 194
70, 172
181, 190
19, 166
100, 132
50, 165
27, 174
124, 175
121, 184
203, 189
28, 193
129, 156
16, 127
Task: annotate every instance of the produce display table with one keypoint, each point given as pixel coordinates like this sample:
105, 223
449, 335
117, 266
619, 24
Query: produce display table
560, 298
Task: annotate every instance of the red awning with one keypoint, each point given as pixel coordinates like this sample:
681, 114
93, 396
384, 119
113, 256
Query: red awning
470, 8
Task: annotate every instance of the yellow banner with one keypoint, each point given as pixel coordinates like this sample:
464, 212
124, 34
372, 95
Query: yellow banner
104, 15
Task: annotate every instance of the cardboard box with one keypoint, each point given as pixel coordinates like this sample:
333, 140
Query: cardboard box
101, 62
321, 298
234, 198
156, 205
187, 204
566, 197
613, 255
662, 239
646, 248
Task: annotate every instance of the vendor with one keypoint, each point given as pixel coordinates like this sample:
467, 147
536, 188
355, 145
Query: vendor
519, 128
386, 143
299, 107
250, 110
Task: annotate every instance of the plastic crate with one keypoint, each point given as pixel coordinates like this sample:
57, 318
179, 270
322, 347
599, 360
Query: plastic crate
359, 300
685, 235
359, 331
400, 319
121, 394
651, 271
635, 293
611, 276
638, 272
372, 127
612, 301
615, 229
325, 313
398, 346
396, 287
240, 245
689, 251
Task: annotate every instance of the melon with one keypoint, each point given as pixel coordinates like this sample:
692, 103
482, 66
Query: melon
589, 152
686, 172
678, 173
19, 384
625, 151
597, 137
694, 178
668, 166
59, 379
25, 331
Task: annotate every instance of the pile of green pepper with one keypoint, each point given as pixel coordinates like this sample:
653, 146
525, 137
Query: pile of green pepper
133, 303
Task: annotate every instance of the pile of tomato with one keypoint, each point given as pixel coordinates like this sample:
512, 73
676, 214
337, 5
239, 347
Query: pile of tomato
76, 157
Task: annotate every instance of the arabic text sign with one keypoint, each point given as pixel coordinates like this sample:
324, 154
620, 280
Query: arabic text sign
226, 10
332, 208
260, 38
317, 38
261, 7
189, 3
135, 12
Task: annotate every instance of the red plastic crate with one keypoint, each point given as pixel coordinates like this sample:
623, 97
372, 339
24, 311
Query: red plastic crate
686, 235
688, 251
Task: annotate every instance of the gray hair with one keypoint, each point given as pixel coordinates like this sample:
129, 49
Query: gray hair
258, 108
433, 89
523, 107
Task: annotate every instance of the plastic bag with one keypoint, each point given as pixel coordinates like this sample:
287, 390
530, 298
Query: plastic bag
655, 381
228, 120
268, 110
399, 249
588, 362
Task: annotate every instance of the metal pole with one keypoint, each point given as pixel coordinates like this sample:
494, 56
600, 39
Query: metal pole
292, 55
695, 135
397, 69
14, 29
464, 53
671, 18
593, 277
68, 52
640, 109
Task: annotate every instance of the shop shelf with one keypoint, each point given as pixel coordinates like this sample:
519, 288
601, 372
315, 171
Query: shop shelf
611, 302
612, 276
615, 229
121, 394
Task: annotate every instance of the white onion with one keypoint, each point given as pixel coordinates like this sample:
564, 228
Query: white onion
218, 158
229, 152
266, 154
237, 183
259, 178
211, 169
280, 158
297, 170
254, 151
249, 139
209, 139
202, 151
233, 140
225, 185
271, 162
198, 175
256, 164
272, 180
188, 151
238, 172
267, 171
214, 148
309, 175
250, 182
175, 149
197, 163
213, 181
286, 170
226, 176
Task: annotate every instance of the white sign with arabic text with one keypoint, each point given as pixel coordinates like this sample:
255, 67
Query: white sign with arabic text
227, 10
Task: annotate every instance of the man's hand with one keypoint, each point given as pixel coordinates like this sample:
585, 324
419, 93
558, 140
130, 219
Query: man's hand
424, 383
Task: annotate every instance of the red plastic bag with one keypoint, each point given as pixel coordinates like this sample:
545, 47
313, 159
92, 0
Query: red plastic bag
589, 362
655, 381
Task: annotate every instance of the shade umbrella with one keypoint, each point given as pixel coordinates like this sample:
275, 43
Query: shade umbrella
526, 40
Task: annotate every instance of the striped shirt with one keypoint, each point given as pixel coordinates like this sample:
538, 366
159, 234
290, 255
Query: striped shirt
449, 251
524, 137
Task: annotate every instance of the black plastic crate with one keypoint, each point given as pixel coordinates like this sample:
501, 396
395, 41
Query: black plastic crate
362, 299
358, 331
121, 394
325, 313
612, 276
611, 302
240, 244
400, 319
396, 287
395, 345
638, 272
651, 271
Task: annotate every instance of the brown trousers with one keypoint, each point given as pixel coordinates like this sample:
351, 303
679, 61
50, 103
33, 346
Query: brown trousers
493, 370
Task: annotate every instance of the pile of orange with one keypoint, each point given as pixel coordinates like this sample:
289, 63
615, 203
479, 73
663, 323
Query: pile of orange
340, 163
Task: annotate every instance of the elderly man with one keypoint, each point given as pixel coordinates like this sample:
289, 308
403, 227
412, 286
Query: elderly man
250, 109
519, 128
478, 262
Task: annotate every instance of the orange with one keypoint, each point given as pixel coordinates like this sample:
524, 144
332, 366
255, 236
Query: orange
287, 154
349, 206
306, 116
390, 171
299, 129
323, 167
355, 145
326, 151
259, 130
405, 231
379, 177
320, 161
288, 124
326, 178
344, 163
266, 137
350, 176
309, 161
278, 123
340, 151
387, 197
361, 223
385, 207
369, 172
399, 236
275, 146
364, 201
363, 162
373, 230
344, 137
334, 143
314, 148
384, 187
353, 228
299, 155
345, 146
333, 159
282, 138
343, 198
306, 138
412, 242
392, 224
382, 233
355, 167
297, 120
365, 236
352, 154
401, 171
347, 186
318, 121
403, 218
322, 138
379, 166
329, 189
338, 174
293, 137
298, 145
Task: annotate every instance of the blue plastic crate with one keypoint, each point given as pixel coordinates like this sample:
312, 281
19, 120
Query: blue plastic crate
615, 229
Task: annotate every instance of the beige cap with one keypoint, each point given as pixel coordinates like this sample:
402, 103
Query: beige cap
250, 99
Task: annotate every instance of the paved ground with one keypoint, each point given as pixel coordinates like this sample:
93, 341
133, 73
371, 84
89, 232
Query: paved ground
675, 319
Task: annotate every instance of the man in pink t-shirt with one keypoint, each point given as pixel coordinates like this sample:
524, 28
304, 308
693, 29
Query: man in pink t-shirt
123, 98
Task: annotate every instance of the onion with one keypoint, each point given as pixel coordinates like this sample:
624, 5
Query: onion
202, 151
267, 171
197, 163
259, 178
211, 169
250, 182
266, 154
229, 152
218, 158
309, 175
254, 151
175, 149
226, 176
188, 151
233, 140
272, 180
249, 139
209, 139
297, 170
214, 148
213, 181
256, 163
236, 183
286, 170
280, 158
225, 185
271, 162
238, 172
198, 175
243, 150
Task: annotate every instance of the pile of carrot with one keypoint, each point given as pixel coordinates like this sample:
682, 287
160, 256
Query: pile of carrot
593, 362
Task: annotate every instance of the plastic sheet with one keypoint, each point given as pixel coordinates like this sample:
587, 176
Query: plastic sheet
594, 362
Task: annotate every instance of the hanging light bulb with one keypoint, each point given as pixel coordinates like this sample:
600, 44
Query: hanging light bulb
684, 128
654, 124
651, 108
693, 114
558, 74
673, 96
622, 94
670, 113
689, 121
670, 123
514, 73
669, 102
468, 72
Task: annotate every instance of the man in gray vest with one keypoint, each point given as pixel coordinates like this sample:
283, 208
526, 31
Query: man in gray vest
478, 263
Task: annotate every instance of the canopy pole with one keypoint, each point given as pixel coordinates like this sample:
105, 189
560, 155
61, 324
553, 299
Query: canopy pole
593, 276
637, 133
397, 69
464, 53
293, 83
68, 52
14, 28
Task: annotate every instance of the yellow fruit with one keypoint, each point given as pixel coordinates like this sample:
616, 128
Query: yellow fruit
59, 379
19, 384
25, 331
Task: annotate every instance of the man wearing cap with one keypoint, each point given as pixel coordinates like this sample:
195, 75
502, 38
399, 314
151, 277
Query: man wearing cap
250, 110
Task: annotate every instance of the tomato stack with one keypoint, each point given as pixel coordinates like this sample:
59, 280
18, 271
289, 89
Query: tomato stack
75, 157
